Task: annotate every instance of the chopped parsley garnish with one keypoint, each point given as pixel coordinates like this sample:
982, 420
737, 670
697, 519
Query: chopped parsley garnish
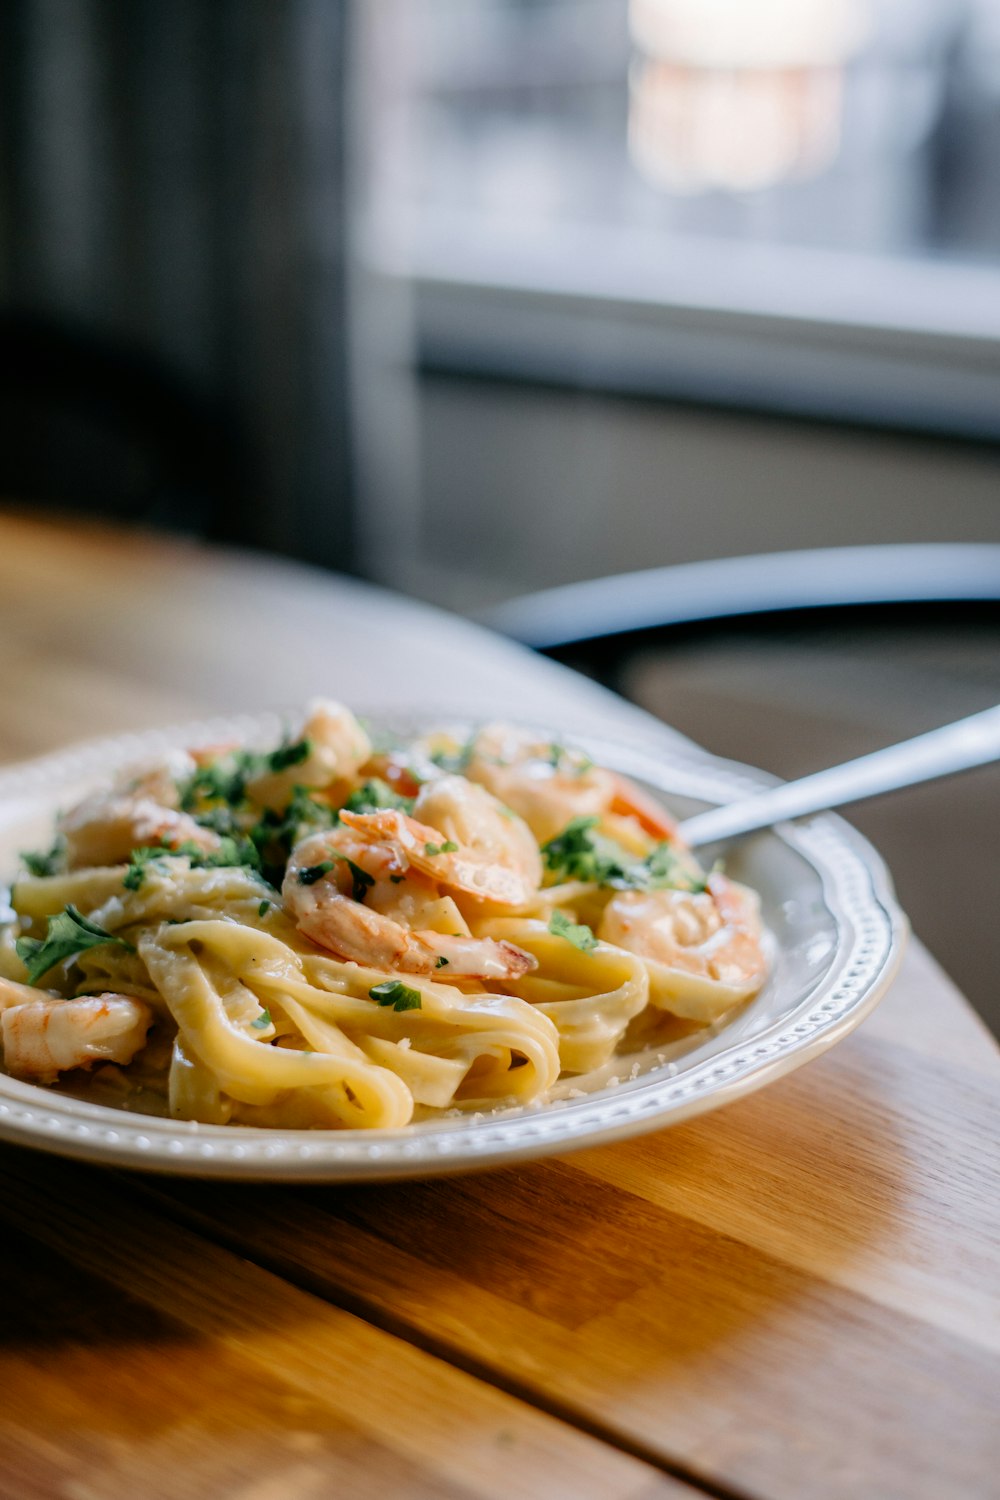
263, 908
397, 879
664, 869
262, 1021
222, 820
275, 834
288, 755
361, 881
67, 934
225, 780
574, 932
45, 864
375, 796
138, 860
397, 994
448, 847
441, 963
579, 853
231, 851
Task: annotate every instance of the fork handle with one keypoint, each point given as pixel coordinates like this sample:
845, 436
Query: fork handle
955, 747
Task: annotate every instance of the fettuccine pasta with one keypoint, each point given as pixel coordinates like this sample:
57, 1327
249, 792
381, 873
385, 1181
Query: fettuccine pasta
336, 934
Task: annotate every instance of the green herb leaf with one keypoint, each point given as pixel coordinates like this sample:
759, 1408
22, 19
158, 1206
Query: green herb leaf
45, 864
665, 869
448, 847
221, 820
361, 881
574, 932
138, 860
275, 834
289, 755
263, 908
230, 852
375, 796
397, 879
225, 780
397, 994
262, 1021
578, 853
67, 934
442, 962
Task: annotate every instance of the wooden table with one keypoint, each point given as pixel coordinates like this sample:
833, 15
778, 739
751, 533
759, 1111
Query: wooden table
792, 1297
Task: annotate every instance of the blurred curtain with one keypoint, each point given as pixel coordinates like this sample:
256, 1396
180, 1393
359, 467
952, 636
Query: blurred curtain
172, 209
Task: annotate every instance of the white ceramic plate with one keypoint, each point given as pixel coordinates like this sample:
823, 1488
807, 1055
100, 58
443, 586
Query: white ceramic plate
827, 902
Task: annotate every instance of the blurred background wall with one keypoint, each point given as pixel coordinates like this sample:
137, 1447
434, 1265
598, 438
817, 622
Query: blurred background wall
479, 295
681, 285
172, 264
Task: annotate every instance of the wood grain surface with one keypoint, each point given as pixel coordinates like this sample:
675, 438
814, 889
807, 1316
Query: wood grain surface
105, 631
139, 1360
796, 1296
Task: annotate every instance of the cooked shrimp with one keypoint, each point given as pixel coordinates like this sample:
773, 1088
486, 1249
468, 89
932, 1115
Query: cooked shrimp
44, 1037
338, 748
12, 992
159, 779
104, 829
630, 801
702, 949
547, 785
461, 837
391, 927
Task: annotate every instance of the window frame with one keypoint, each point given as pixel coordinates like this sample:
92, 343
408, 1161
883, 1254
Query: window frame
894, 342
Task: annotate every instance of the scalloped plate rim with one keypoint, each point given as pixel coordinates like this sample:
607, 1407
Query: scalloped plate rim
33, 1117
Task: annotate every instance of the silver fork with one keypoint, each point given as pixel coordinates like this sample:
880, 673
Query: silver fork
955, 747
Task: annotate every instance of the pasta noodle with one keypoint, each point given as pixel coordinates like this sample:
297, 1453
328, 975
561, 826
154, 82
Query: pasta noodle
337, 935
